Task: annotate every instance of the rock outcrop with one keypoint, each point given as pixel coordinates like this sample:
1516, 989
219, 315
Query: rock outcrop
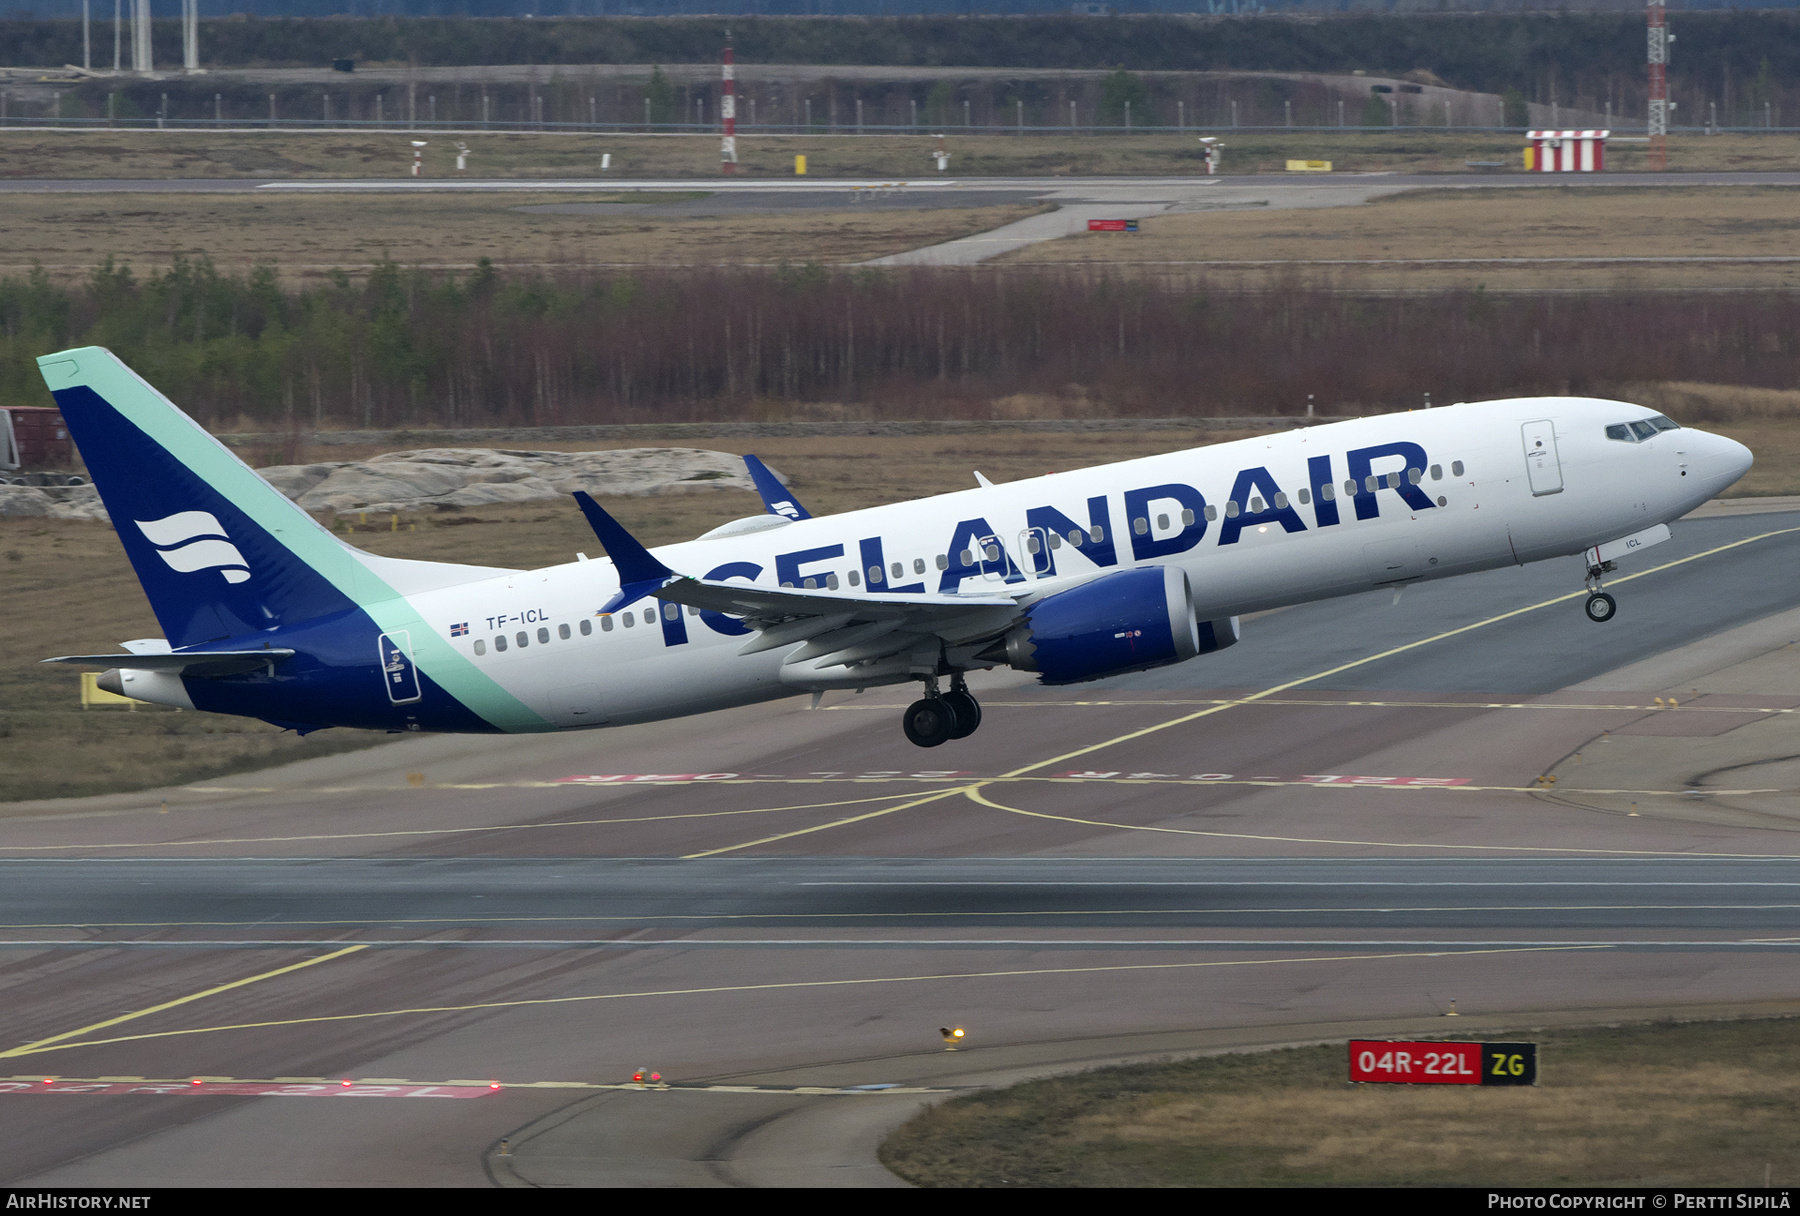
446, 478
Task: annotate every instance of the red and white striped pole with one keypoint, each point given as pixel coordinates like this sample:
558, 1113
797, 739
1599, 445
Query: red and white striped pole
728, 112
1658, 106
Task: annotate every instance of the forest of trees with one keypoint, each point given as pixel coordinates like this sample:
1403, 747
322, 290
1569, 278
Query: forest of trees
407, 348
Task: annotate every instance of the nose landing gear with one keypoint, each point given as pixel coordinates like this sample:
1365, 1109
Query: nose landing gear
938, 717
1600, 606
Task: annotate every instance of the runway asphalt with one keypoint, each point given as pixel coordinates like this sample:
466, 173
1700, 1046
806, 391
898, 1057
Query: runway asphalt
1335, 828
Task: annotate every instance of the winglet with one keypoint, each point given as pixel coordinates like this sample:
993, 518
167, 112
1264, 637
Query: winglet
775, 496
640, 574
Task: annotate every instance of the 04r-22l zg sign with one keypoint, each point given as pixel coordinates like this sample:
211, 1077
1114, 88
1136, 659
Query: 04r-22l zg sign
1386, 1060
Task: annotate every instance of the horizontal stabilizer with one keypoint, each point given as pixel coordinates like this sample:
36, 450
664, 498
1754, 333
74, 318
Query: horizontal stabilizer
196, 663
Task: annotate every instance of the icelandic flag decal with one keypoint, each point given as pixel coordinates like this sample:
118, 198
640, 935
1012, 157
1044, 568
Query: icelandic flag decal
459, 631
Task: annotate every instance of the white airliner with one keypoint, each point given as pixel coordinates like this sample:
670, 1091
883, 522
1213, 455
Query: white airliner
1073, 576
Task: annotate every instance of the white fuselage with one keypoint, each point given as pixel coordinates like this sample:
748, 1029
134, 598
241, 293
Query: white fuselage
1504, 502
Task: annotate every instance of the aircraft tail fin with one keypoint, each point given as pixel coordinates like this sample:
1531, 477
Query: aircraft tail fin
220, 552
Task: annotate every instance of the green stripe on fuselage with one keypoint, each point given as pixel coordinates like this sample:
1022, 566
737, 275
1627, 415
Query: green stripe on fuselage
214, 463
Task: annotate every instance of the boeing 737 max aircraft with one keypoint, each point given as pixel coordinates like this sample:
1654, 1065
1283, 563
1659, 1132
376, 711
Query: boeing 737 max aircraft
1073, 576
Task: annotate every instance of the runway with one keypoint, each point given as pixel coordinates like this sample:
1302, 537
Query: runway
1337, 827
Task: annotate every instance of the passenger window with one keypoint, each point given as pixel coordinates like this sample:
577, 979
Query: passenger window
1305, 496
900, 569
1031, 544
1187, 519
671, 612
606, 625
562, 631
1055, 542
1140, 525
855, 578
1098, 533
1075, 537
1327, 493
587, 627
1350, 488
1280, 501
943, 562
1231, 509
965, 557
480, 646
1442, 501
1456, 468
1212, 512
1162, 523
522, 638
1393, 481
1414, 476
630, 620
500, 642
831, 582
544, 634
1437, 472
919, 564
1256, 506
993, 553
1372, 482
811, 584
874, 575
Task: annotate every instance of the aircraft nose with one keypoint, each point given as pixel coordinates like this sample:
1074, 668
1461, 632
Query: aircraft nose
1723, 461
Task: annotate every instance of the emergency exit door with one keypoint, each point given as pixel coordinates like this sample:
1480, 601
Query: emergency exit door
1541, 461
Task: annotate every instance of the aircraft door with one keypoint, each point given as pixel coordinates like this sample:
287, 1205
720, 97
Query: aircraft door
397, 670
1034, 545
1541, 460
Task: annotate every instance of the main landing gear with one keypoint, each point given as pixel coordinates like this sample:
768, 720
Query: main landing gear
938, 717
1600, 606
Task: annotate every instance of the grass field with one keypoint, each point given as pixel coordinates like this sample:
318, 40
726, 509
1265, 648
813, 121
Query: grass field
1586, 221
26, 153
309, 235
1697, 1104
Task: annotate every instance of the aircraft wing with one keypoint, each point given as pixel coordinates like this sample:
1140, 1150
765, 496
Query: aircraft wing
842, 639
846, 639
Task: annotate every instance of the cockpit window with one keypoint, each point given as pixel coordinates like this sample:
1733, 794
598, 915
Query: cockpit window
1637, 432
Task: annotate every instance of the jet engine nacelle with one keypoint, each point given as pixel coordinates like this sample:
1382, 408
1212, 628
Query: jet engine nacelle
1130, 621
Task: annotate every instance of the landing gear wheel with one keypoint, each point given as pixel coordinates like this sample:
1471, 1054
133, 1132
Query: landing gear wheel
928, 722
966, 709
1601, 606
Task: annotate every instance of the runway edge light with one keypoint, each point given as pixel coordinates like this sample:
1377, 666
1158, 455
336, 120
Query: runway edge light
952, 1035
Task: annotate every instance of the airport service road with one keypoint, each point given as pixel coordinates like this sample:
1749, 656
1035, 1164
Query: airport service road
1334, 828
